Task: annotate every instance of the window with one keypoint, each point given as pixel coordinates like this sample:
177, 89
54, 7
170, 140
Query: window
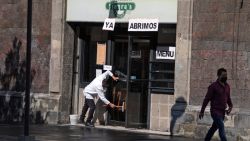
162, 65
88, 62
162, 61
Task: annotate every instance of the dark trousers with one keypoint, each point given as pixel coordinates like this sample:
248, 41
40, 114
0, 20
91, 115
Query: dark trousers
217, 124
88, 104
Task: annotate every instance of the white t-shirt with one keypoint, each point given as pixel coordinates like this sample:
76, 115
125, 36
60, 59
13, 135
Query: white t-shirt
95, 87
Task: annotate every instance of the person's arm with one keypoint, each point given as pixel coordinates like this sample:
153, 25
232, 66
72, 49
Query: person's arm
110, 74
206, 100
115, 78
104, 99
229, 102
107, 73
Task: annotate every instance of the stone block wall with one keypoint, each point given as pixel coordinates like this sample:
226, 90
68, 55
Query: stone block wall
11, 107
43, 108
160, 112
236, 124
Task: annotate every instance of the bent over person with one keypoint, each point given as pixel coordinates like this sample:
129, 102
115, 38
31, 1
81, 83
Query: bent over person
219, 95
96, 88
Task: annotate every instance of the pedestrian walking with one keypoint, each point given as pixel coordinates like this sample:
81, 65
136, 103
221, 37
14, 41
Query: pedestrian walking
219, 96
96, 88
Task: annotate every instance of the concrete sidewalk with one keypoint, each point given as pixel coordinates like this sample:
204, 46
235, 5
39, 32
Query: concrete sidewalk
81, 133
133, 130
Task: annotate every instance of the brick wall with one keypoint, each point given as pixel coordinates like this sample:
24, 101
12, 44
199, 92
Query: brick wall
13, 15
220, 39
218, 35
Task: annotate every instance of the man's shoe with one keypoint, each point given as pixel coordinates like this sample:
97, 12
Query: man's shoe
81, 121
88, 124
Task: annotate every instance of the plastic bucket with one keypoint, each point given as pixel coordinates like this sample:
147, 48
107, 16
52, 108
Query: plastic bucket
73, 119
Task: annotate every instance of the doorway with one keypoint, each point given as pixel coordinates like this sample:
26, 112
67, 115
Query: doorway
130, 58
119, 91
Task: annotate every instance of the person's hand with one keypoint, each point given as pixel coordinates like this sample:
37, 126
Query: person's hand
229, 110
115, 78
201, 115
112, 105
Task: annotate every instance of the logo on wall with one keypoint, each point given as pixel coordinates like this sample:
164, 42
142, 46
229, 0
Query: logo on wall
119, 8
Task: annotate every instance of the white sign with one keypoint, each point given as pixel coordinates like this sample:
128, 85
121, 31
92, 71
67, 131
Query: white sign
136, 54
121, 10
107, 67
166, 54
109, 24
143, 25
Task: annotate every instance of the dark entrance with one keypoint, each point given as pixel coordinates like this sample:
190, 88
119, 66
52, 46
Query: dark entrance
119, 91
141, 73
130, 56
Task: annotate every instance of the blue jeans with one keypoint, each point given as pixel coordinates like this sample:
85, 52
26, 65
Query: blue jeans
217, 124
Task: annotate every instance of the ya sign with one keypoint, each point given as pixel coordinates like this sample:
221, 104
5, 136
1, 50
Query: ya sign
143, 25
109, 24
165, 53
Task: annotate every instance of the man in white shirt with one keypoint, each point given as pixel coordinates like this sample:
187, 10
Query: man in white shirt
96, 88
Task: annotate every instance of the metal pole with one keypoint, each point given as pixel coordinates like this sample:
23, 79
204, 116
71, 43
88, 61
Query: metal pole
28, 66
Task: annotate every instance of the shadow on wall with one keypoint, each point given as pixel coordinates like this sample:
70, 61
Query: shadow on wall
12, 85
177, 111
12, 111
37, 117
13, 77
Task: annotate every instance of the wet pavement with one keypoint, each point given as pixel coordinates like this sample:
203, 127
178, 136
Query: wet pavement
79, 133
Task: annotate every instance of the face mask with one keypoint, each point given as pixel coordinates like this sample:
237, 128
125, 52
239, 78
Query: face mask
223, 79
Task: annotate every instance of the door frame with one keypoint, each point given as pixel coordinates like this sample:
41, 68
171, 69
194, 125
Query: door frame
110, 57
152, 38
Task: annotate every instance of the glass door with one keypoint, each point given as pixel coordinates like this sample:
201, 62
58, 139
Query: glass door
137, 86
130, 58
119, 89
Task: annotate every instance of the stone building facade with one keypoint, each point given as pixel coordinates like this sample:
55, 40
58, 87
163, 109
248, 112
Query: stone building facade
209, 34
51, 62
